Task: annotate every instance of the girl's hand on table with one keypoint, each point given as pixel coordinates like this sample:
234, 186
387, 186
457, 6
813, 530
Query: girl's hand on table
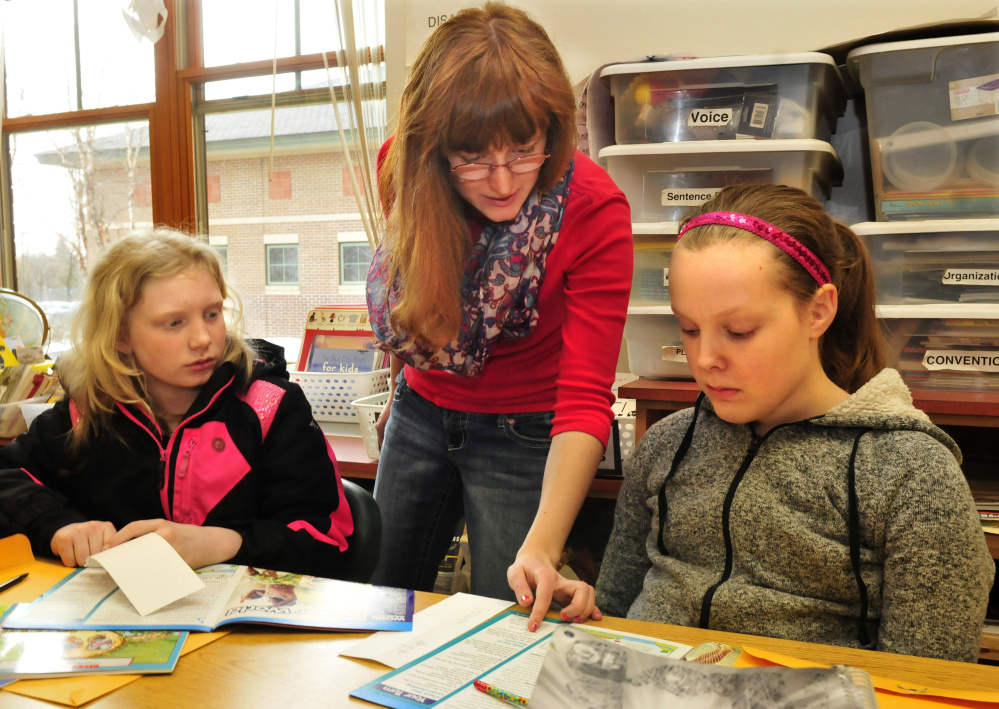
577, 598
198, 546
75, 542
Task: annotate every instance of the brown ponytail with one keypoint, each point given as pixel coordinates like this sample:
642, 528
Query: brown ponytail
853, 349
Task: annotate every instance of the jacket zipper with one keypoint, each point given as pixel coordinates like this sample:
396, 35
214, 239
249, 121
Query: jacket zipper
185, 485
164, 462
754, 446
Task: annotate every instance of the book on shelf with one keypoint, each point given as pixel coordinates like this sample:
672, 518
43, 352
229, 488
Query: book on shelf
338, 340
38, 654
89, 598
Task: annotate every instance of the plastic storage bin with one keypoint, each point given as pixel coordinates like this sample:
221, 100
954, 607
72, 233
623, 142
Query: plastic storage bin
667, 182
722, 98
650, 284
941, 261
368, 409
933, 120
946, 354
655, 349
332, 396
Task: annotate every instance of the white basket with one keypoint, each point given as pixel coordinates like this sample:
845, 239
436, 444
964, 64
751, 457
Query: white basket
368, 410
331, 394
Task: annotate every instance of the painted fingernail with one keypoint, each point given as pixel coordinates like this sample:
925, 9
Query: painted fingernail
525, 599
532, 626
565, 616
577, 619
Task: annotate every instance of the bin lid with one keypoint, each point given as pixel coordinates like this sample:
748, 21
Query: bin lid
723, 62
924, 227
720, 146
868, 50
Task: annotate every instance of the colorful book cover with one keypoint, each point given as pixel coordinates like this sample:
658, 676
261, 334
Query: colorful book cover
35, 654
338, 340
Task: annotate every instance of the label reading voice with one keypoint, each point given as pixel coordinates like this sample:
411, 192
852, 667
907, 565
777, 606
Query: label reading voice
977, 276
709, 117
693, 197
674, 354
962, 360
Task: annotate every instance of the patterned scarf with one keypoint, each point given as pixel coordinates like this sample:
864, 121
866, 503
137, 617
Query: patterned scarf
499, 289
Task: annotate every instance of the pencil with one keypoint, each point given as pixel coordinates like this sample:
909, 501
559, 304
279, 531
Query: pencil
17, 579
500, 693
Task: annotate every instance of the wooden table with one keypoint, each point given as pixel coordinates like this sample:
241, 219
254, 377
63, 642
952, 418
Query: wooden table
262, 666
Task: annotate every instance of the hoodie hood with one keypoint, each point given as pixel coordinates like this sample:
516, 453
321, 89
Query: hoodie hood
885, 404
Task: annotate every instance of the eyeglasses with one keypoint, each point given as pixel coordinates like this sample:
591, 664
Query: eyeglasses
472, 171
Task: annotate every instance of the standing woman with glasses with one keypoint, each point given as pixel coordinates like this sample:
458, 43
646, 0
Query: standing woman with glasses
501, 290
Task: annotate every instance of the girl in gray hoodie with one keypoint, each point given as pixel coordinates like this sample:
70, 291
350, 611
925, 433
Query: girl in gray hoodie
803, 496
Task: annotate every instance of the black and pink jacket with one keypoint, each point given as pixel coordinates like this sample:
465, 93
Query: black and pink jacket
248, 458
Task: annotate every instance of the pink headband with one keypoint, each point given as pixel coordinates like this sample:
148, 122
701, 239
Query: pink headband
781, 239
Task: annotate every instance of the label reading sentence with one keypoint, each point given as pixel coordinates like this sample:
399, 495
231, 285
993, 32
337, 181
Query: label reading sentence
691, 197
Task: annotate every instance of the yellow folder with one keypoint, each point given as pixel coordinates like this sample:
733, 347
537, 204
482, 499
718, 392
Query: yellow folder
15, 559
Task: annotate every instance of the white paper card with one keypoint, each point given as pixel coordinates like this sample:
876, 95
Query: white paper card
432, 627
148, 571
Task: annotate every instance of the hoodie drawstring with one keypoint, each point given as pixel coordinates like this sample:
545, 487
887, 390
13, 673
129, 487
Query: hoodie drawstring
681, 452
853, 524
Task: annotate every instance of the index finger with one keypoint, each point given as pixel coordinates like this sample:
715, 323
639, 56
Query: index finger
130, 531
542, 597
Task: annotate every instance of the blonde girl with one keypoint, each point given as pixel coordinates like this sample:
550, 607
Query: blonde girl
174, 424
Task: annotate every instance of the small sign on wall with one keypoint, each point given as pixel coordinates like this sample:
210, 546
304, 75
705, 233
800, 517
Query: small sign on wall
422, 18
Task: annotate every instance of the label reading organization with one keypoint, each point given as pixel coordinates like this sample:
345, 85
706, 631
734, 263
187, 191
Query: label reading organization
978, 276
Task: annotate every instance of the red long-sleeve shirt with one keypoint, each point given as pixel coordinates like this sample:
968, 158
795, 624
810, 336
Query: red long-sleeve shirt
568, 363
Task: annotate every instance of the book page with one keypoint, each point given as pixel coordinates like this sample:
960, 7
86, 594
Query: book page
34, 654
200, 610
70, 601
266, 596
149, 572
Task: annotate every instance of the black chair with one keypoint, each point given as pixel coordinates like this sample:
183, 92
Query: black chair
364, 544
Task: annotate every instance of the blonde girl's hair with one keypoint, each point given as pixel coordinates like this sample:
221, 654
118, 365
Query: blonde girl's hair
488, 77
97, 375
853, 348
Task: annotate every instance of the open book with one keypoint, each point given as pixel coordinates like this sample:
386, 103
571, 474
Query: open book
89, 598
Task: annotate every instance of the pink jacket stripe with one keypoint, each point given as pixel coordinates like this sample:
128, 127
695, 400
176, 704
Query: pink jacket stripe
264, 398
341, 520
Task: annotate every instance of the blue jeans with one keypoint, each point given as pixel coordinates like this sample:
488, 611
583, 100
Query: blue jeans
437, 463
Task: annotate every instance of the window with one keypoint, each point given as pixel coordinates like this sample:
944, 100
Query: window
223, 252
354, 261
282, 264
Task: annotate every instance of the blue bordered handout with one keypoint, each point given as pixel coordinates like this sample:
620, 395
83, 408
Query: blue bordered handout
500, 652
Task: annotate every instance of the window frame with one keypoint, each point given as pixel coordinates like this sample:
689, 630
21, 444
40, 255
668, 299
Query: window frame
177, 170
270, 247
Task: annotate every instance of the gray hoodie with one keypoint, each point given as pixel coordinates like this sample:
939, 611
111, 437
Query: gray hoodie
758, 529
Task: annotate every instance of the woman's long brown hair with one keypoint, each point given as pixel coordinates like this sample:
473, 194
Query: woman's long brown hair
488, 77
853, 349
